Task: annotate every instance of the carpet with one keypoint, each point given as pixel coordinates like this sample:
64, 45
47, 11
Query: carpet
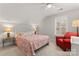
50, 50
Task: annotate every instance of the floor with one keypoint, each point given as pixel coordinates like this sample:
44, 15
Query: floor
49, 50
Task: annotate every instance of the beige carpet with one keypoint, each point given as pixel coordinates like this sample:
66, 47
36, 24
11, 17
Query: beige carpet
49, 50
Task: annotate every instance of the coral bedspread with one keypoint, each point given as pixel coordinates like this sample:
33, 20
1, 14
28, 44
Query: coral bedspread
29, 43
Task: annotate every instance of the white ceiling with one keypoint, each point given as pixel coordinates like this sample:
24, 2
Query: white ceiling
32, 11
65, 6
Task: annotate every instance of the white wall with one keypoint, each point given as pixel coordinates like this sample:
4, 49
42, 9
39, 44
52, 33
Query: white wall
27, 14
48, 23
71, 15
47, 26
24, 15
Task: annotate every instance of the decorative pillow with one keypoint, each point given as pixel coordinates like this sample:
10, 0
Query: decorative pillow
18, 34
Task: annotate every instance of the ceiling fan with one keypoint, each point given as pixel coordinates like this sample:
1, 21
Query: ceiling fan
51, 5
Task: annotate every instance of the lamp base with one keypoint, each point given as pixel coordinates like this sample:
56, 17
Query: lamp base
77, 31
8, 34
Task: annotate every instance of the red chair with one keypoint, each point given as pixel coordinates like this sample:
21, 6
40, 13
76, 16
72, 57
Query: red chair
64, 41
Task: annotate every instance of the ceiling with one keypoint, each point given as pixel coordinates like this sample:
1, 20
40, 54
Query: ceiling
56, 8
32, 11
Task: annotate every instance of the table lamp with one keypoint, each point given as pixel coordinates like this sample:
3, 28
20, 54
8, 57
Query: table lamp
75, 23
34, 27
8, 30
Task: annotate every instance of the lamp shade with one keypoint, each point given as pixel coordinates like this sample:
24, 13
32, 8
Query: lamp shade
75, 23
7, 29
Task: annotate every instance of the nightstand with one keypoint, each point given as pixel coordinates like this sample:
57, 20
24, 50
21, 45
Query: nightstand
8, 39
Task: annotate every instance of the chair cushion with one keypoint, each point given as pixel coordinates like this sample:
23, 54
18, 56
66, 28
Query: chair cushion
67, 40
60, 40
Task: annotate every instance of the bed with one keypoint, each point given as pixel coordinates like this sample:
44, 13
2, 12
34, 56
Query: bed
30, 43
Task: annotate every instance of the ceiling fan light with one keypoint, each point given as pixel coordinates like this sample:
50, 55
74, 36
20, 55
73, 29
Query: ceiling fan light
49, 6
